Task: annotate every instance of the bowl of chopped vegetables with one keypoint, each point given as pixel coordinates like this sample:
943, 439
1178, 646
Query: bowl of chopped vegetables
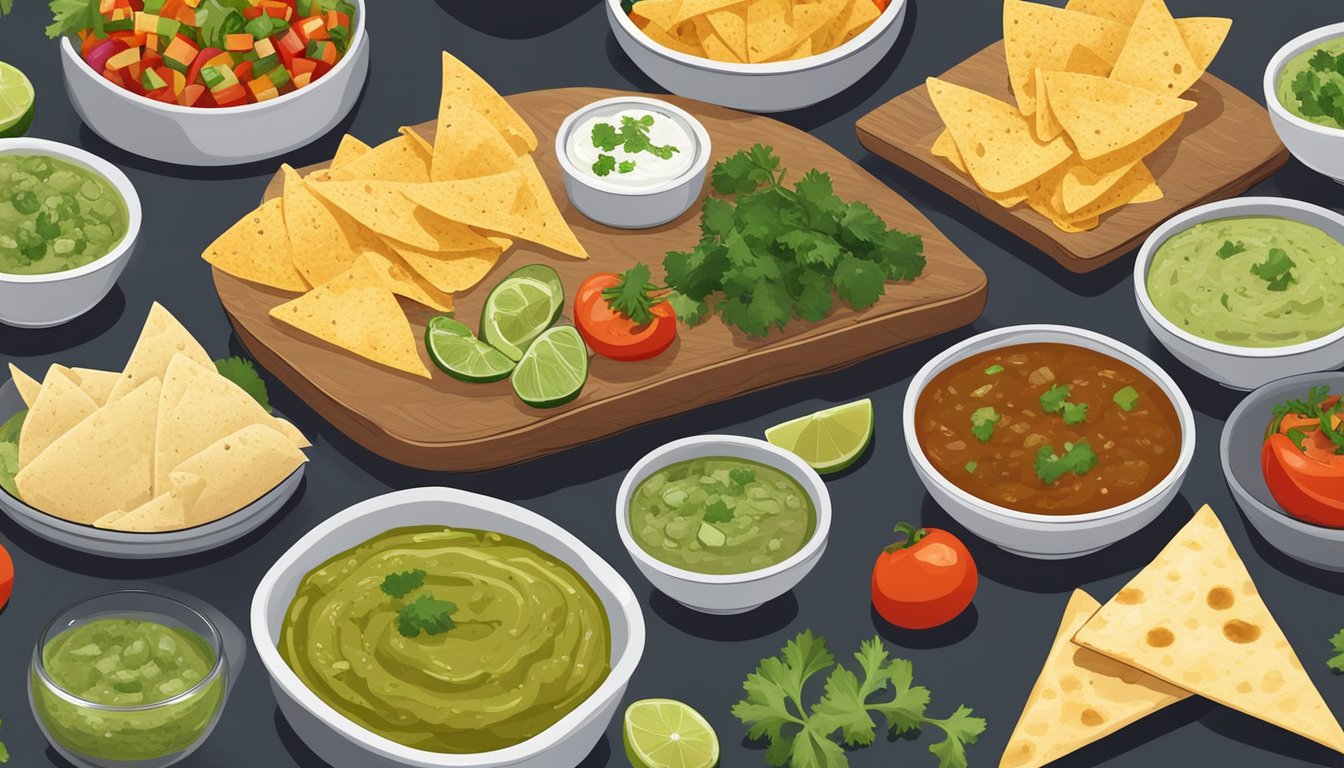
1304, 89
219, 82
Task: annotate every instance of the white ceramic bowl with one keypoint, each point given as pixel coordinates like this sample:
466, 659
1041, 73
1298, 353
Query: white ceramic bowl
1048, 537
737, 592
625, 207
769, 87
1319, 147
43, 301
189, 136
1239, 367
342, 743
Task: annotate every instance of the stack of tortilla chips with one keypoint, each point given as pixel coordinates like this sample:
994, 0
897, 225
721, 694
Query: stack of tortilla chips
753, 31
406, 219
1191, 623
1097, 86
166, 444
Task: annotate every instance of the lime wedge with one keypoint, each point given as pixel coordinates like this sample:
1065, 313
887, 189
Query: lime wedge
828, 440
461, 355
17, 99
662, 733
553, 370
544, 274
515, 313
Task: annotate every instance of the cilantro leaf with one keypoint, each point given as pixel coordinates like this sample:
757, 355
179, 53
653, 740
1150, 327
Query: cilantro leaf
983, 421
605, 137
632, 137
717, 512
1075, 413
959, 730
9, 431
635, 296
1078, 458
842, 708
604, 165
859, 282
1223, 300
242, 372
5, 7
4, 753
399, 585
1126, 397
814, 297
626, 166
1230, 249
70, 17
1276, 269
745, 171
9, 467
741, 476
1336, 662
689, 311
1054, 398
425, 614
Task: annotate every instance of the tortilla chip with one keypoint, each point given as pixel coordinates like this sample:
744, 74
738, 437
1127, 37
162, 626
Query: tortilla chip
401, 280
292, 432
995, 140
420, 142
254, 249
1037, 36
356, 312
96, 384
1119, 11
237, 470
1194, 618
453, 271
166, 512
105, 463
1104, 116
398, 159
27, 386
769, 33
1081, 696
464, 87
731, 27
1149, 194
1155, 57
467, 146
946, 147
324, 239
60, 406
161, 338
674, 40
663, 13
381, 207
811, 18
1081, 185
1203, 36
350, 149
714, 46
852, 19
1046, 125
690, 9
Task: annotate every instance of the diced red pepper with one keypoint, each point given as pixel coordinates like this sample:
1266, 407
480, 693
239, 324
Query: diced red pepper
233, 96
191, 95
202, 58
243, 71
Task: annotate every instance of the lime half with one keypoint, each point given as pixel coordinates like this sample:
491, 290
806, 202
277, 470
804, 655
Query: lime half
661, 733
461, 355
544, 274
515, 313
17, 99
553, 370
828, 440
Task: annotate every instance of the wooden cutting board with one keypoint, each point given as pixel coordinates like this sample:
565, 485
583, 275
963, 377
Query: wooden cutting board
1225, 146
448, 425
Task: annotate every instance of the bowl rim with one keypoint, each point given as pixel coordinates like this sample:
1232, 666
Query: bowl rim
105, 169
1008, 336
1289, 208
696, 170
862, 40
732, 446
356, 42
1290, 49
624, 660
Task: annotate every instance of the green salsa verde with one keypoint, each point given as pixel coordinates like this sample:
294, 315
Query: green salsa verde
721, 515
1311, 84
1251, 281
55, 215
127, 662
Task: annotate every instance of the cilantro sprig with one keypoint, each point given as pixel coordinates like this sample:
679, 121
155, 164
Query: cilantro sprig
1056, 400
983, 422
632, 137
1229, 249
1336, 660
1276, 269
1318, 407
399, 585
423, 614
774, 708
242, 372
1077, 458
635, 295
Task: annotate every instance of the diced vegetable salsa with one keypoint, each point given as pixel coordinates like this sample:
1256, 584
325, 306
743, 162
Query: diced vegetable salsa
212, 53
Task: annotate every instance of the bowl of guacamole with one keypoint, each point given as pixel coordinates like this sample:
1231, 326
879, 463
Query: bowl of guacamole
1304, 90
68, 226
723, 524
1244, 291
128, 678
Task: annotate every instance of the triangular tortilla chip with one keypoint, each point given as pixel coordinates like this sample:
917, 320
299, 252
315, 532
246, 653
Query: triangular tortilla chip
292, 432
714, 46
356, 312
852, 19
1150, 193
1037, 36
105, 463
319, 245
256, 249
464, 87
769, 33
403, 281
238, 470
946, 147
731, 27
1120, 11
167, 512
1081, 696
60, 406
96, 384
467, 146
27, 386
350, 150
1155, 56
161, 338
1194, 618
1081, 185
995, 140
452, 271
1103, 116
690, 9
811, 18
1203, 36
1046, 125
398, 159
420, 142
664, 13
382, 207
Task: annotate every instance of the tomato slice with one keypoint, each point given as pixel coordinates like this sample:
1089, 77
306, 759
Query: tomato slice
613, 335
1308, 488
925, 581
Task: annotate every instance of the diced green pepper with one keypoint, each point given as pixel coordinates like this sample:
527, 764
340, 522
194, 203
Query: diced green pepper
151, 80
279, 77
265, 64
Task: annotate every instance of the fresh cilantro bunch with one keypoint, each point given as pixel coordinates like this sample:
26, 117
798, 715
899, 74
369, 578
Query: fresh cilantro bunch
801, 738
1318, 88
424, 613
769, 252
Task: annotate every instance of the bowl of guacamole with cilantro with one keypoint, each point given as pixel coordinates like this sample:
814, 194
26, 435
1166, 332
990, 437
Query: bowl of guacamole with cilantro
1304, 90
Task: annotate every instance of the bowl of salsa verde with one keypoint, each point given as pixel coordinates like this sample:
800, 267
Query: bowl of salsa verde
68, 225
1046, 440
1303, 85
723, 524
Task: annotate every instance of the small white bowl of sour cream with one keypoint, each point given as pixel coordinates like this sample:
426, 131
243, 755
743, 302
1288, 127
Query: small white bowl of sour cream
639, 183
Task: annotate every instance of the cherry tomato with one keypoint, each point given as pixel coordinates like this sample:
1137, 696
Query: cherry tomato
6, 577
612, 334
924, 581
1308, 488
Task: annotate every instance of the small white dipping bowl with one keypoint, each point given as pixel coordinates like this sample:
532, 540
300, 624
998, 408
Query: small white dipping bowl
344, 744
172, 133
627, 207
1319, 147
735, 592
43, 301
775, 86
1048, 537
1239, 367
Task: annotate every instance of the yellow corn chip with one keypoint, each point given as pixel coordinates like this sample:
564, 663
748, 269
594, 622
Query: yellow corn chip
28, 387
690, 9
673, 39
853, 18
467, 146
1103, 116
421, 144
731, 27
236, 471
463, 86
664, 13
1203, 36
1037, 36
60, 406
96, 384
161, 338
1132, 183
1119, 11
322, 243
349, 149
381, 207
248, 249
1081, 185
1155, 56
1150, 193
946, 147
715, 47
167, 512
1046, 125
454, 271
400, 279
398, 159
769, 31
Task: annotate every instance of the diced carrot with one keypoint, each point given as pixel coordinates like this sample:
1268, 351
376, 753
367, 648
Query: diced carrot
191, 94
238, 42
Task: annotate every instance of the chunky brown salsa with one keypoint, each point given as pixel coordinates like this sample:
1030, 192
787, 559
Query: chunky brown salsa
1050, 429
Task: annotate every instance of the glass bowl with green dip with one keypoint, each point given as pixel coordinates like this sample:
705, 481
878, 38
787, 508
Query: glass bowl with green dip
1300, 86
128, 678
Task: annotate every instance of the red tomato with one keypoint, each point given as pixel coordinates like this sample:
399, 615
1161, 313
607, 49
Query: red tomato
6, 577
612, 334
1307, 487
924, 581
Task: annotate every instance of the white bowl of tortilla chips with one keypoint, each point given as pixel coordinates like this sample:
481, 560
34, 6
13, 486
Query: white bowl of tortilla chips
165, 458
757, 54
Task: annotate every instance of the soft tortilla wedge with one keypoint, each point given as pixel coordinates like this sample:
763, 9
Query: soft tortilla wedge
60, 406
98, 385
237, 470
166, 512
161, 338
28, 386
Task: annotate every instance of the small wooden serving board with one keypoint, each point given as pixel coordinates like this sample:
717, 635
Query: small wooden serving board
1224, 146
448, 425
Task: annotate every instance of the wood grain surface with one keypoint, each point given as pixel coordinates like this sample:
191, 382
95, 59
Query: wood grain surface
448, 425
1225, 146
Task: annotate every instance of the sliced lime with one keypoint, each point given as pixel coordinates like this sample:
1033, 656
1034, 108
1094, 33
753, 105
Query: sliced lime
662, 733
17, 100
544, 274
553, 370
515, 313
461, 355
828, 440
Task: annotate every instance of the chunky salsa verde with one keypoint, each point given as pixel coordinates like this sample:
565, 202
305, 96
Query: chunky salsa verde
56, 215
1050, 429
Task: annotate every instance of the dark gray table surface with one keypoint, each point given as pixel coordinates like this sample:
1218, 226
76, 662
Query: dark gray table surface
986, 659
